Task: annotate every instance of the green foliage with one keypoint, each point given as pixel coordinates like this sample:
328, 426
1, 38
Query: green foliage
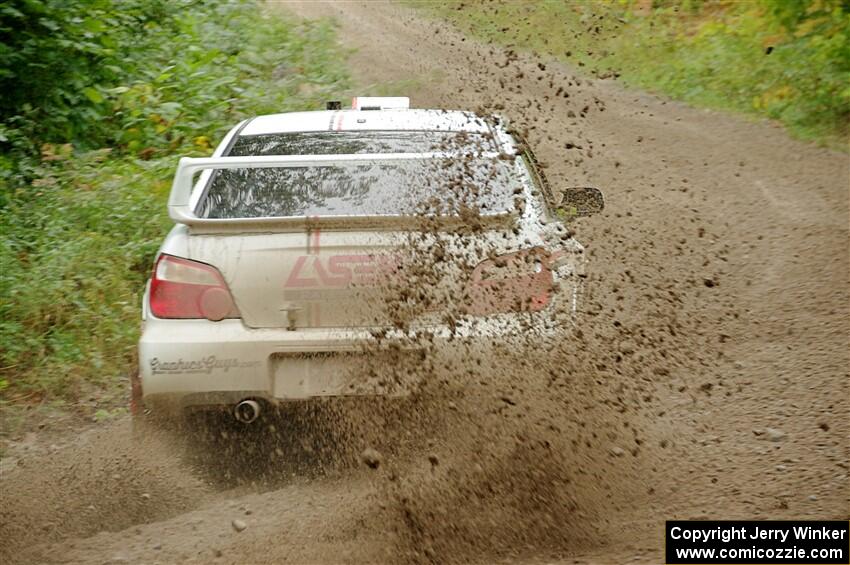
77, 247
57, 57
87, 151
786, 59
148, 76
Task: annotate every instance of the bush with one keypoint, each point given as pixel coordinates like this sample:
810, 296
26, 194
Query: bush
101, 94
149, 76
60, 57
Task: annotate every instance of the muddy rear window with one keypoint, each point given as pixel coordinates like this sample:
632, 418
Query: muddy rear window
377, 189
407, 187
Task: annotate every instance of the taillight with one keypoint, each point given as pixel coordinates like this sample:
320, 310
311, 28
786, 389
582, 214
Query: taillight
518, 282
181, 288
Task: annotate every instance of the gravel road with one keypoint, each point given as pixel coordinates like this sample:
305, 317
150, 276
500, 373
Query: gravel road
709, 380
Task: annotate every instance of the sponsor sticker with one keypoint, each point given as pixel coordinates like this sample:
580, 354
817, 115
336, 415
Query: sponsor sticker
204, 365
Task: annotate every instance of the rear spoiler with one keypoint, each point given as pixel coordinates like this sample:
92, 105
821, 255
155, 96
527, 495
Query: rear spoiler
179, 201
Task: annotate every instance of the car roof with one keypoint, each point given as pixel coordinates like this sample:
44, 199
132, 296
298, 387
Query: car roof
366, 120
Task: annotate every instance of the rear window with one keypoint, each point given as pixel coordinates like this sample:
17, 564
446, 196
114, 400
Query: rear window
392, 188
354, 142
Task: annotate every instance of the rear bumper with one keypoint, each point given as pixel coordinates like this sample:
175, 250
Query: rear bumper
196, 362
193, 363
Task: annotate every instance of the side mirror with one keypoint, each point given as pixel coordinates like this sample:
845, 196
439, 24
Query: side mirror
581, 201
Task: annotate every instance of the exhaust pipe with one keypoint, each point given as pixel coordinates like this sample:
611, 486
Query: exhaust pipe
247, 411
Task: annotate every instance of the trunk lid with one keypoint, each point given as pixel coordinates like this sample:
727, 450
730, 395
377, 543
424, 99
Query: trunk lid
299, 280
344, 279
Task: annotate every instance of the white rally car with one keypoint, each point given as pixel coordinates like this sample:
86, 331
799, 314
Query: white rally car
261, 291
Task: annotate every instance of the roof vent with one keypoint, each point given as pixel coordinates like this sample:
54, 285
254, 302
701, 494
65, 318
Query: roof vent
380, 103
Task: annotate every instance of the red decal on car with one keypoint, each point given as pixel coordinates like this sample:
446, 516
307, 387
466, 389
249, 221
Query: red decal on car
338, 271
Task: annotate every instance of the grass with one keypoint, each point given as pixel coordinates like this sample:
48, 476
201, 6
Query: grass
82, 234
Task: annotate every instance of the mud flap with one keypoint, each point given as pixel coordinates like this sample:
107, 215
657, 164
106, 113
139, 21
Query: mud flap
137, 403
